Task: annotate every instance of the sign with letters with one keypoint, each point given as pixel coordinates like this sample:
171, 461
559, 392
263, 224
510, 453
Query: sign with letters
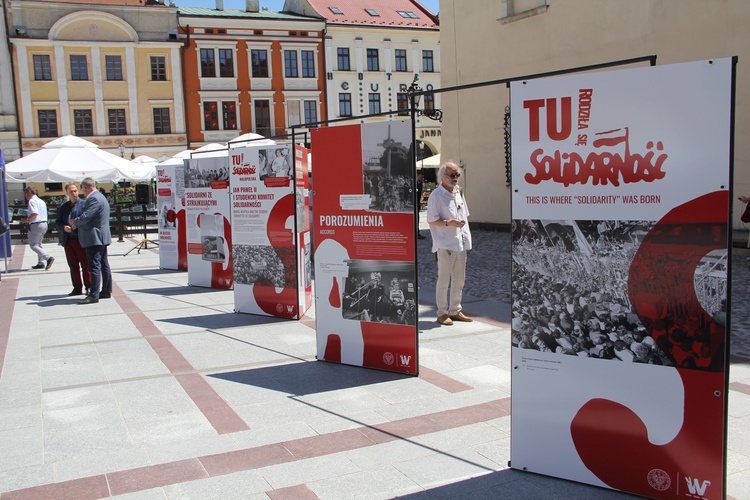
620, 231
365, 274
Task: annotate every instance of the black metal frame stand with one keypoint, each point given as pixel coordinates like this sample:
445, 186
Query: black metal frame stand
143, 244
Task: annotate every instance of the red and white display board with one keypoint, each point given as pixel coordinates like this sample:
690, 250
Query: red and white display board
265, 234
364, 220
170, 201
303, 234
620, 245
208, 221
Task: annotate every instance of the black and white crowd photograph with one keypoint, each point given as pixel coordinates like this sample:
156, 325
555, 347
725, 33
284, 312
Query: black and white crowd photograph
571, 297
380, 292
259, 264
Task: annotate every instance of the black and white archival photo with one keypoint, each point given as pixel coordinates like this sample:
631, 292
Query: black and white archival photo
200, 172
212, 237
259, 264
380, 292
387, 167
570, 292
275, 162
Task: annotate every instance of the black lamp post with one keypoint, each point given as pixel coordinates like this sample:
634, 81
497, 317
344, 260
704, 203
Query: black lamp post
122, 150
432, 114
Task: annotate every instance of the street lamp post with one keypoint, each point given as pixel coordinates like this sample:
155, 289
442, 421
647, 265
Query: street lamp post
122, 150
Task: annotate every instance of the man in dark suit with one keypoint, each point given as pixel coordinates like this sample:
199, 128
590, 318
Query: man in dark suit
95, 237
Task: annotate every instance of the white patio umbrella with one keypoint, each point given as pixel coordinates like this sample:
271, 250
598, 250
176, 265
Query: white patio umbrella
71, 158
146, 166
250, 139
430, 162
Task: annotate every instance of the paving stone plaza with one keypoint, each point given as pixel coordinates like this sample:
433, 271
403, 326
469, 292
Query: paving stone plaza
163, 392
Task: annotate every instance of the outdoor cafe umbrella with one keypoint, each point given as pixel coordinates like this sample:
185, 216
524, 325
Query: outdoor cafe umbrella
430, 162
147, 165
71, 158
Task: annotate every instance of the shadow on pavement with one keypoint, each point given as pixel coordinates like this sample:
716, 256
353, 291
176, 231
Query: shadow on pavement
309, 377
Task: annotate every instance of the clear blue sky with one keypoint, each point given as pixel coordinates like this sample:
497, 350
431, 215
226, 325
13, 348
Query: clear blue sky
276, 5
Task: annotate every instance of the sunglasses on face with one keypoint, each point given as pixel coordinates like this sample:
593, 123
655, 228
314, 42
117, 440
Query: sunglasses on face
455, 176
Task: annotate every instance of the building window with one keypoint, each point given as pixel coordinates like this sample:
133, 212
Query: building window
82, 122
345, 104
78, 68
113, 67
229, 115
372, 12
263, 118
226, 63
42, 68
311, 112
343, 58
407, 14
374, 103
427, 61
400, 60
47, 122
336, 10
308, 64
208, 66
117, 122
429, 102
260, 63
210, 116
372, 60
158, 68
402, 103
290, 64
513, 10
162, 125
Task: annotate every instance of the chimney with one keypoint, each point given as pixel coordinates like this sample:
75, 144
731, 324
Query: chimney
252, 5
219, 4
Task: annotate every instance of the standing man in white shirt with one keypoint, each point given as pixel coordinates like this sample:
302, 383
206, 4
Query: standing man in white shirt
448, 217
37, 221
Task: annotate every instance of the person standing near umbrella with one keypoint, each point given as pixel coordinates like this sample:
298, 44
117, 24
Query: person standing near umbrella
74, 252
37, 221
95, 237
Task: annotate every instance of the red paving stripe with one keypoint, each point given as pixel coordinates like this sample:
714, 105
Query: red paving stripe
155, 476
17, 261
334, 442
247, 459
86, 487
299, 492
440, 380
144, 478
7, 304
221, 416
740, 387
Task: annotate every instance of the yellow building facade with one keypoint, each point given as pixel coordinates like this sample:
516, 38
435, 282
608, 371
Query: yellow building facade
494, 39
108, 72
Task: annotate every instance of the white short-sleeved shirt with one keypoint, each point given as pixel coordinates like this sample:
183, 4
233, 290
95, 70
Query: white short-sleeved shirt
38, 207
444, 205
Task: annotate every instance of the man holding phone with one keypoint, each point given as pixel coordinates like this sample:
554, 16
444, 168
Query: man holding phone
448, 217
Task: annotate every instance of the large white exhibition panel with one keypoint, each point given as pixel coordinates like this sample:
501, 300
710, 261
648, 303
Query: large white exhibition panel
621, 186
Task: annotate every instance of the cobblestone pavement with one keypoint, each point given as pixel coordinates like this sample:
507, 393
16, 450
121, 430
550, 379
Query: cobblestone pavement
488, 277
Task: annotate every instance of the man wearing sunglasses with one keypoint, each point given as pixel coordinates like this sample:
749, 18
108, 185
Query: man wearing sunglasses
448, 215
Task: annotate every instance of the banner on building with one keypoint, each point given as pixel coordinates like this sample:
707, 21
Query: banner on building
620, 246
208, 221
265, 232
170, 199
365, 276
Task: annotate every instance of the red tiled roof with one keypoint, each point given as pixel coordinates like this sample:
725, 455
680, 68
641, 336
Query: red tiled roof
129, 3
353, 12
